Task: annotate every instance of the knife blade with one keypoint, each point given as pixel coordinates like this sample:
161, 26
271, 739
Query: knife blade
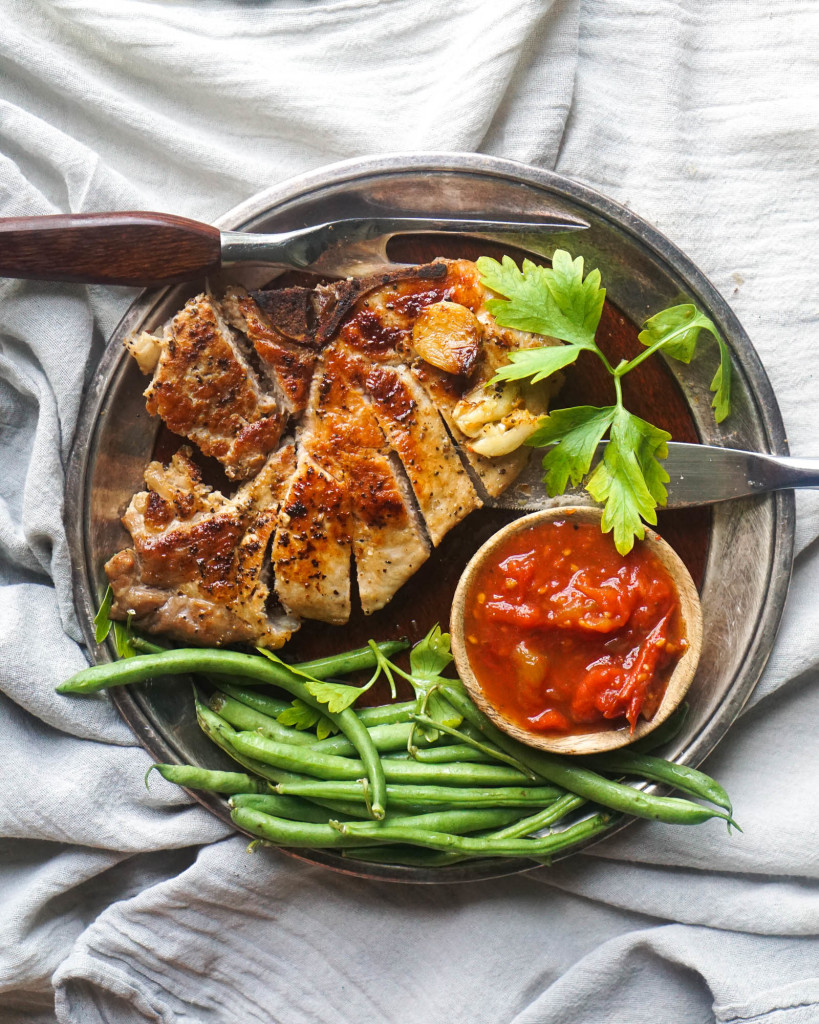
699, 474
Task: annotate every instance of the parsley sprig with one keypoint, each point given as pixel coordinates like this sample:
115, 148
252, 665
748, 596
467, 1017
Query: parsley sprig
428, 659
560, 302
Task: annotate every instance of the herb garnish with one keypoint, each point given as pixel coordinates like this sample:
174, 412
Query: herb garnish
428, 659
559, 302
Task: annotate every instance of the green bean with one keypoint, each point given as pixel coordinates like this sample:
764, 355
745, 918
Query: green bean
689, 780
292, 834
400, 796
192, 777
485, 846
582, 781
349, 661
311, 836
290, 807
478, 744
383, 714
453, 752
261, 702
420, 857
548, 816
329, 766
186, 660
247, 715
387, 739
248, 719
222, 734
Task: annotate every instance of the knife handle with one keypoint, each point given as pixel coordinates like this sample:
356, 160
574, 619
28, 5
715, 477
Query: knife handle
132, 248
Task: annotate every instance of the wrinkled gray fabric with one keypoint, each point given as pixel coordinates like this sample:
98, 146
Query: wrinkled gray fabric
122, 905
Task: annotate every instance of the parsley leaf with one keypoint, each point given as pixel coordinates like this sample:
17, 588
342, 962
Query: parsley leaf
337, 696
629, 479
555, 300
575, 434
122, 639
301, 717
721, 384
537, 363
428, 659
675, 332
102, 623
431, 655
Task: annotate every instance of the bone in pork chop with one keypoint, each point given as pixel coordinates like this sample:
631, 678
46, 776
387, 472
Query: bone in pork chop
392, 425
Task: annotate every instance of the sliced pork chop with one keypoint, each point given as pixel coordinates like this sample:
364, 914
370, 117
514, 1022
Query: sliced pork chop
342, 435
196, 571
312, 545
415, 430
376, 377
287, 362
204, 389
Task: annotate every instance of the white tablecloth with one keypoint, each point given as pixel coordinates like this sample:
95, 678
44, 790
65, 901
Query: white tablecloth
136, 906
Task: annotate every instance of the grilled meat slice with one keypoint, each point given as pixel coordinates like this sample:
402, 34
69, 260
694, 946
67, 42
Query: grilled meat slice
342, 436
197, 566
205, 390
312, 545
266, 489
415, 430
287, 363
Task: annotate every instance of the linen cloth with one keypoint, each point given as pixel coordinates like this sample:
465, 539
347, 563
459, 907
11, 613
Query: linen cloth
121, 905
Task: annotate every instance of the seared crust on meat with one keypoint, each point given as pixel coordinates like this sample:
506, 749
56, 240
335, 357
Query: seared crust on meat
196, 571
311, 548
205, 390
288, 364
342, 436
406, 414
380, 383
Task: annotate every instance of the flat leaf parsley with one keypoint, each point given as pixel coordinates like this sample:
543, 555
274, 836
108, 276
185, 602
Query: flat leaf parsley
560, 302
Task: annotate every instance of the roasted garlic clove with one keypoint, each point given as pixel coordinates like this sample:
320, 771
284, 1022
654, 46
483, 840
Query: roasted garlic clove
484, 405
146, 349
448, 336
506, 435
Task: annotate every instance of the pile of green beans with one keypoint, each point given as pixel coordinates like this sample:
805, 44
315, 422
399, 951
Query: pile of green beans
380, 790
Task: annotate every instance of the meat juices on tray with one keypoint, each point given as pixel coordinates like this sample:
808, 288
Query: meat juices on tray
353, 448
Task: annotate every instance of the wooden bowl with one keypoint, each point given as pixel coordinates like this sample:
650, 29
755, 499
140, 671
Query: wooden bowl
591, 742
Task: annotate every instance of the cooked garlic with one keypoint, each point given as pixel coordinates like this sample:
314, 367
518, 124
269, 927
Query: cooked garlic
506, 435
145, 348
448, 336
484, 405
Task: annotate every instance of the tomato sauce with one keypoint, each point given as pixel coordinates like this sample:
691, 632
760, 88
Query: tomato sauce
567, 636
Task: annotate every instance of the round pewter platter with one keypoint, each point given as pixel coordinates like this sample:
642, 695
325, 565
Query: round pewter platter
749, 552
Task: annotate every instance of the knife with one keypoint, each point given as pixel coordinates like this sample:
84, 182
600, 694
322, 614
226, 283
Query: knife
147, 249
700, 474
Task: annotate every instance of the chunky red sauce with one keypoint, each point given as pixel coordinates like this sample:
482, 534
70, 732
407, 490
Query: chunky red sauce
567, 636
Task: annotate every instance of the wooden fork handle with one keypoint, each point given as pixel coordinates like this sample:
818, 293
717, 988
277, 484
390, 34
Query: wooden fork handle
135, 248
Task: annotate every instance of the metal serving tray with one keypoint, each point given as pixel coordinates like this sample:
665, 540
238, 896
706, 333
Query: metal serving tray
748, 563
